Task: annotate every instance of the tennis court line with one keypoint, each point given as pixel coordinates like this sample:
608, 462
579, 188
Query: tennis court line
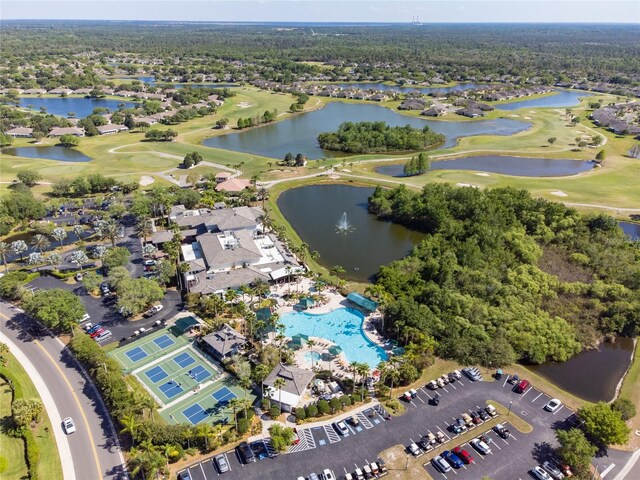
160, 359
191, 393
208, 361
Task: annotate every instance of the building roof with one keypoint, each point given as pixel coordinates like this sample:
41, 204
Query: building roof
221, 219
232, 248
296, 379
225, 340
110, 127
59, 131
233, 185
20, 131
224, 175
207, 283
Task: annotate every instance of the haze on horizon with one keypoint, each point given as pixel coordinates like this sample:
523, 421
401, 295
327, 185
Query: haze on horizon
318, 11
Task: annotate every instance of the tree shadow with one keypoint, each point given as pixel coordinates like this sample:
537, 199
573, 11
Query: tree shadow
542, 451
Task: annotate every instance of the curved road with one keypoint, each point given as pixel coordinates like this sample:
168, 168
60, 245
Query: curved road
92, 452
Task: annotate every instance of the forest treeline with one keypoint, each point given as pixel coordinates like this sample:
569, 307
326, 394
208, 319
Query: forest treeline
501, 276
371, 137
546, 52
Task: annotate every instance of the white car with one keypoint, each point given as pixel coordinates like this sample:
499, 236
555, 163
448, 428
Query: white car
414, 449
85, 317
153, 310
553, 405
341, 428
480, 446
69, 426
328, 475
540, 474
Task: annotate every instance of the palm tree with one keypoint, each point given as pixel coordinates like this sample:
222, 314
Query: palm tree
260, 373
230, 295
143, 229
244, 403
111, 228
59, 234
311, 343
217, 432
130, 425
54, 260
363, 371
19, 247
233, 405
279, 383
203, 430
263, 194
40, 242
4, 249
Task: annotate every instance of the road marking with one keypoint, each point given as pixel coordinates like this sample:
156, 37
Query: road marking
75, 397
539, 395
561, 407
530, 388
202, 469
607, 470
505, 381
420, 399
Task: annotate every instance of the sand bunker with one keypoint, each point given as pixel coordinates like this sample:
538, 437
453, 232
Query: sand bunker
559, 193
244, 105
467, 185
146, 180
482, 174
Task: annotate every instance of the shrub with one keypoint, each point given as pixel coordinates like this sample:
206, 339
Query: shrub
243, 426
229, 436
335, 404
10, 284
265, 404
281, 437
346, 400
393, 405
323, 407
175, 453
324, 374
625, 407
312, 411
33, 453
301, 414
274, 411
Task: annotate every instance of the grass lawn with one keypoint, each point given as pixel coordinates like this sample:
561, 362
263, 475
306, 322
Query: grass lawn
12, 450
630, 389
49, 466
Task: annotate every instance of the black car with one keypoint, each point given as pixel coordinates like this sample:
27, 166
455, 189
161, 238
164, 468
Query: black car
475, 418
483, 415
184, 475
501, 430
245, 453
435, 400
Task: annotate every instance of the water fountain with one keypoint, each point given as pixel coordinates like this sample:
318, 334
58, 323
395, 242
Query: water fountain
343, 225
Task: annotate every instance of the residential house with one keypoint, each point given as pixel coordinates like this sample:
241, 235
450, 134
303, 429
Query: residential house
61, 91
296, 382
34, 91
222, 177
233, 185
111, 128
20, 132
223, 343
59, 131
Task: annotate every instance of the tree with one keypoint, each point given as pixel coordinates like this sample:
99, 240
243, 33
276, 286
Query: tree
278, 384
35, 258
337, 270
604, 424
551, 140
69, 141
575, 449
135, 296
78, 258
92, 282
597, 140
600, 156
259, 374
281, 437
143, 229
29, 177
625, 406
116, 257
56, 308
40, 242
4, 249
25, 411
54, 260
110, 229
5, 140
37, 136
19, 247
59, 234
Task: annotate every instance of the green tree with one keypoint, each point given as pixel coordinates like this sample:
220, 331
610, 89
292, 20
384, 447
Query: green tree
92, 282
116, 257
59, 234
600, 156
604, 424
40, 242
69, 141
625, 406
56, 308
5, 140
28, 177
281, 437
135, 296
19, 247
278, 384
551, 140
4, 249
575, 450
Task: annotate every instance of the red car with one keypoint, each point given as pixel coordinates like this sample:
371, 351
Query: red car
463, 454
96, 333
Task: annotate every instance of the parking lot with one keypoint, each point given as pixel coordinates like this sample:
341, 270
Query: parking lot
511, 458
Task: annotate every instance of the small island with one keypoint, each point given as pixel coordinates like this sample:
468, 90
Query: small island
376, 137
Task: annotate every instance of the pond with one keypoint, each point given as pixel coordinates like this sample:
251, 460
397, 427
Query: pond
81, 106
593, 374
560, 99
299, 134
631, 229
314, 212
517, 166
199, 85
57, 152
408, 88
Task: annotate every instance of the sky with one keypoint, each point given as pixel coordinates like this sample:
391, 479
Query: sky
428, 11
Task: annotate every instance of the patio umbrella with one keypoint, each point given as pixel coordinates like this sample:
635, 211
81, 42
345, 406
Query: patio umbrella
299, 339
335, 350
397, 350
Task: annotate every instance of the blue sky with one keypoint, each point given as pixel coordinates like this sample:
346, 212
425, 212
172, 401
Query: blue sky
432, 11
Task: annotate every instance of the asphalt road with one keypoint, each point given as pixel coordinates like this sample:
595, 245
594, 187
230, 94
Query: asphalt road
94, 450
321, 447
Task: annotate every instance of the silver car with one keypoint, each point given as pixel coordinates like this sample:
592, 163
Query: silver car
539, 473
553, 470
221, 463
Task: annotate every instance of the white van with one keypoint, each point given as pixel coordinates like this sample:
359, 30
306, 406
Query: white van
103, 336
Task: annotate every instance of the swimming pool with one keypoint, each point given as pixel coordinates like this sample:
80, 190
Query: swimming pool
342, 327
312, 358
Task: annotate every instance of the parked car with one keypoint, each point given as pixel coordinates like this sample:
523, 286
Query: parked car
184, 475
467, 419
452, 377
374, 468
553, 470
435, 400
90, 328
440, 437
96, 332
472, 373
149, 263
406, 396
445, 379
481, 446
103, 336
463, 455
440, 464
440, 382
414, 449
382, 465
484, 415
522, 386
498, 374
353, 420
475, 418
491, 410
368, 473
341, 428
458, 426
539, 473
501, 430
514, 380
432, 385
153, 310
69, 426
221, 462
359, 475
452, 458
327, 475
245, 453
425, 444
313, 476
85, 317
553, 405
413, 393
457, 374
79, 277
296, 437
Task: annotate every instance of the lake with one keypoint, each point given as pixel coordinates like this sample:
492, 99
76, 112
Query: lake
560, 99
593, 374
408, 88
81, 106
299, 134
314, 211
506, 165
631, 229
58, 152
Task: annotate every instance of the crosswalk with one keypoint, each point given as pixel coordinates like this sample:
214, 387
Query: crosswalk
364, 420
270, 448
332, 435
307, 442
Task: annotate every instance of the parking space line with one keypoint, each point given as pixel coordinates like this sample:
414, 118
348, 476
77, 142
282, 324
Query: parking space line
561, 407
452, 386
606, 471
202, 469
539, 395
364, 420
528, 390
505, 381
420, 399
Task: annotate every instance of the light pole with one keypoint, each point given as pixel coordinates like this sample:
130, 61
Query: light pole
509, 413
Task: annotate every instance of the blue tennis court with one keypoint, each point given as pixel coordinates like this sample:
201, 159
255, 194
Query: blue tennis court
184, 359
223, 395
195, 413
156, 374
171, 389
136, 354
199, 373
163, 342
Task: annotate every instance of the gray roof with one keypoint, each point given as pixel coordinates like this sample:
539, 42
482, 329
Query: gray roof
219, 282
223, 219
225, 340
296, 379
236, 248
